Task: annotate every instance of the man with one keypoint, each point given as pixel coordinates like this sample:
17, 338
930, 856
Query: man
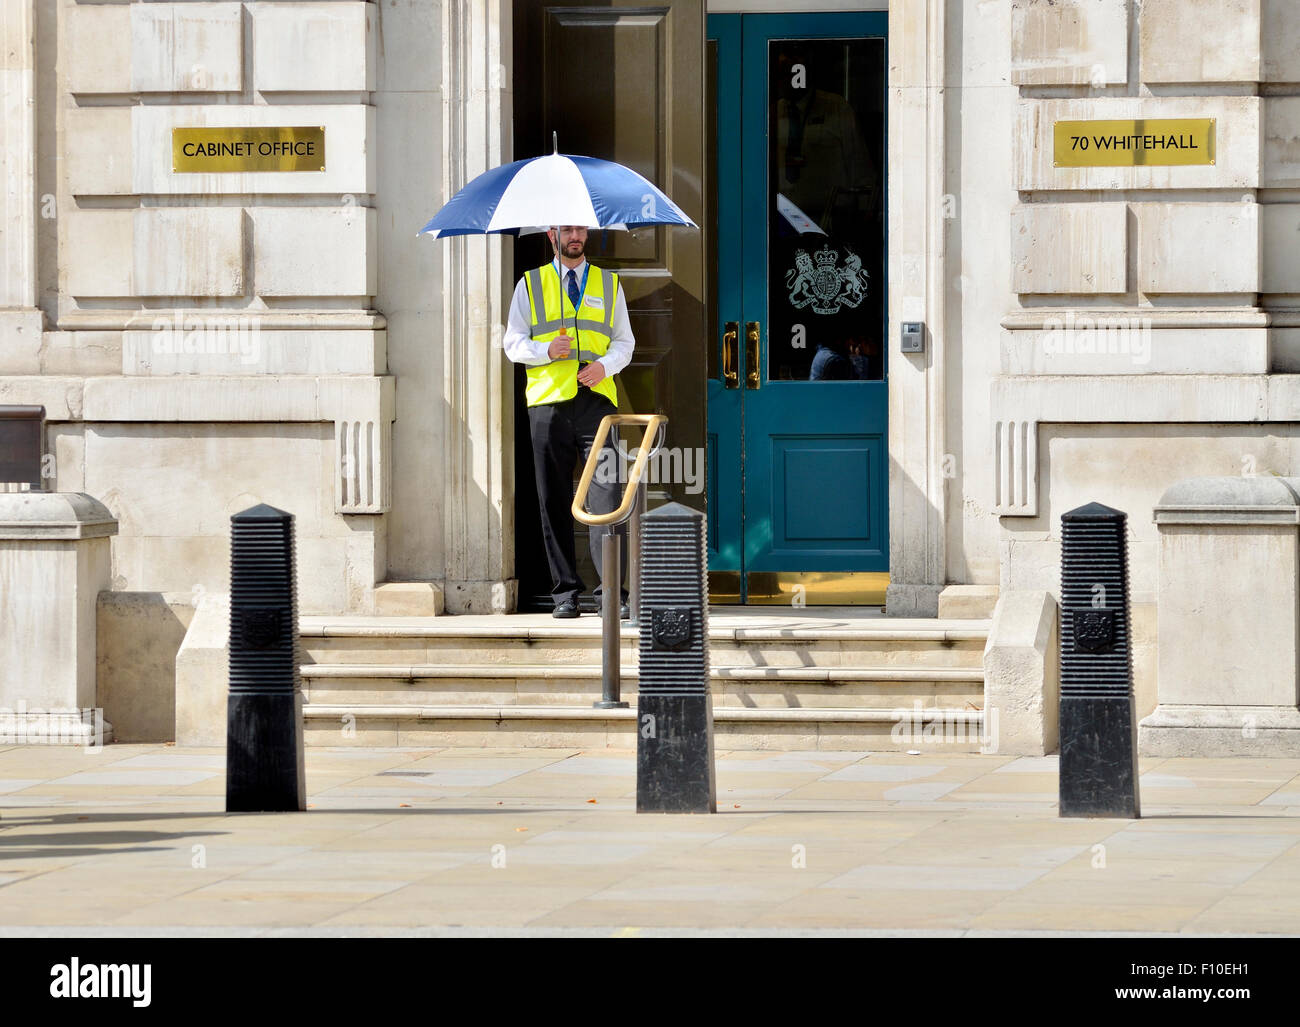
830, 364
569, 326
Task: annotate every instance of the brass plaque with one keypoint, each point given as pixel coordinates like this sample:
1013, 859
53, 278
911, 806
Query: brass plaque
252, 148
724, 588
796, 589
1153, 142
808, 588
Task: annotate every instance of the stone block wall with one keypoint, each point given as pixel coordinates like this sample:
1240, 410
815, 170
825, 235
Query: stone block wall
210, 340
1153, 326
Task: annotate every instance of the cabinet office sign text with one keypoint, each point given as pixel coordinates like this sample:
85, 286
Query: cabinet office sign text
251, 148
1147, 142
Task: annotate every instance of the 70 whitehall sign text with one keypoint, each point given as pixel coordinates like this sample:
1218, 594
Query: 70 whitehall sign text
1138, 143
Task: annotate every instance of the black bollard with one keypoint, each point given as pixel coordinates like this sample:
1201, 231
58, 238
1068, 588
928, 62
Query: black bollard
264, 734
1099, 770
674, 749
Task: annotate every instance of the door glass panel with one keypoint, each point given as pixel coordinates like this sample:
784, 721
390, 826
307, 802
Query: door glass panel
826, 194
711, 204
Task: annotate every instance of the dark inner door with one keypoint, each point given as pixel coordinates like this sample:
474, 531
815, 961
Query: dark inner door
622, 82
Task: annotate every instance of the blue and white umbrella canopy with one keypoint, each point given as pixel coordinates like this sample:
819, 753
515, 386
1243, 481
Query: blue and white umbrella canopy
559, 189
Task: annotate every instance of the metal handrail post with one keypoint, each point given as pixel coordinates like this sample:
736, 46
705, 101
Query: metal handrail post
610, 673
629, 510
634, 554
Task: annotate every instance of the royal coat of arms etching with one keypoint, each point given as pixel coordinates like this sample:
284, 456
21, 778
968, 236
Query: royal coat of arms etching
820, 281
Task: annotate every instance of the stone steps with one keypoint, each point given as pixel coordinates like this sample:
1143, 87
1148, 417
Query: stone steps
779, 681
774, 728
419, 641
549, 684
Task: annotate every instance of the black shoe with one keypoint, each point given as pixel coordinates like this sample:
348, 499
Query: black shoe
566, 610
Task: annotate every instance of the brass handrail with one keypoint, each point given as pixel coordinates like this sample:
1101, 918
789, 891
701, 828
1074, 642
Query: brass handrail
649, 422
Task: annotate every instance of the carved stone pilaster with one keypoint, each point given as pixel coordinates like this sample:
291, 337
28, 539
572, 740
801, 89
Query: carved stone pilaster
478, 470
21, 323
918, 288
1015, 468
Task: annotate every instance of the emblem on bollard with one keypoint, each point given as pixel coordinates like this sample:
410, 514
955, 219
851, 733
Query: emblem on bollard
259, 628
1094, 631
670, 628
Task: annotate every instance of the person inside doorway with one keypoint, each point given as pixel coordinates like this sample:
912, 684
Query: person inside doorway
830, 363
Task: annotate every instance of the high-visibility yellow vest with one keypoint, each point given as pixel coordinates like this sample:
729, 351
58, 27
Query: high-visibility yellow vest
590, 328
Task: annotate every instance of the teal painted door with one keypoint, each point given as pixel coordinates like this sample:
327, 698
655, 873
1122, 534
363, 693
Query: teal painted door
797, 456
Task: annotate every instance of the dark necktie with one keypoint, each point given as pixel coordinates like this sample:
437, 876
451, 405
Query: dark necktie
574, 294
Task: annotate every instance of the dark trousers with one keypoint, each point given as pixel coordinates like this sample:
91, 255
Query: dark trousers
562, 435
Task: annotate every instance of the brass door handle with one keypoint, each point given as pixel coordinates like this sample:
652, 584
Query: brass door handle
751, 355
730, 355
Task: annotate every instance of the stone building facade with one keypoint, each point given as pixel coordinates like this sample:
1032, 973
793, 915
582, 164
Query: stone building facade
204, 342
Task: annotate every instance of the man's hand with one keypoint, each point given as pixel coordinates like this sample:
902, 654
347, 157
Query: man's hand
592, 374
559, 347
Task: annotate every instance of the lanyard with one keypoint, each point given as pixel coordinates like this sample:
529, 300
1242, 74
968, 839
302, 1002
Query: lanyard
564, 280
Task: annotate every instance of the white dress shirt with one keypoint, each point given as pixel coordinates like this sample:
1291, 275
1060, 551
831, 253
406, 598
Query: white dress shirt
523, 349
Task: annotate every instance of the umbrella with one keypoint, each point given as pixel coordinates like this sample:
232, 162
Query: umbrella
559, 189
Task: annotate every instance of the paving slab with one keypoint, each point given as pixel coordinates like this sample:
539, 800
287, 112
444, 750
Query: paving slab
134, 840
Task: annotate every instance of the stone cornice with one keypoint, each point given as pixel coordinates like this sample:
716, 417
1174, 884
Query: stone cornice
285, 320
1041, 318
176, 398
